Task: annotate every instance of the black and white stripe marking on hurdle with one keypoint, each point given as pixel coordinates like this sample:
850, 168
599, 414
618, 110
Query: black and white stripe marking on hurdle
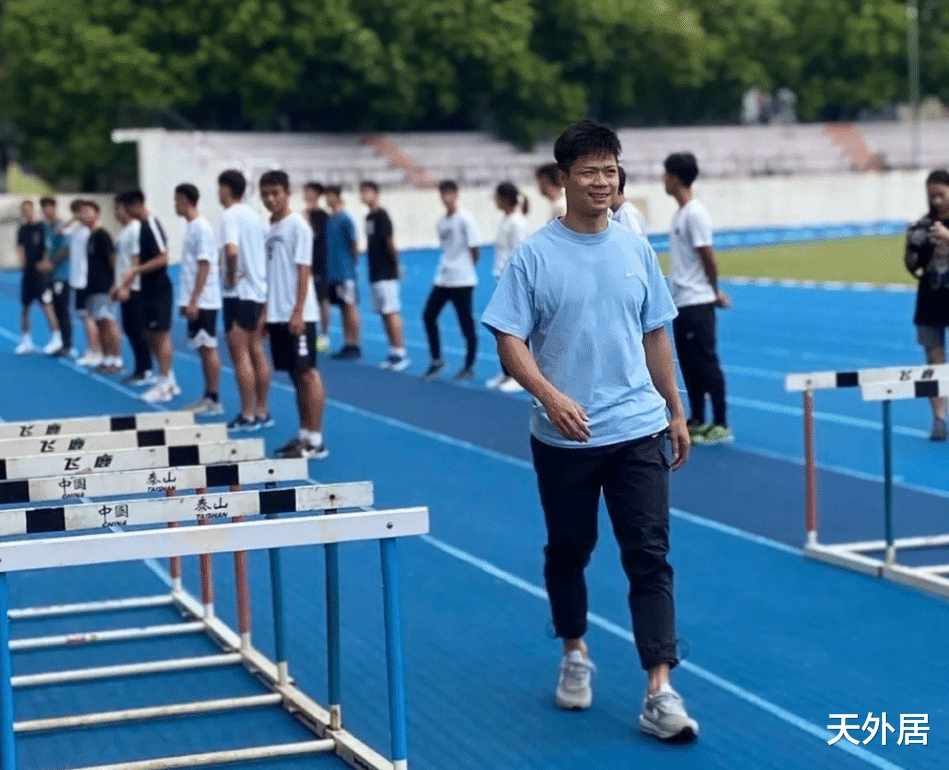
859, 377
900, 391
72, 425
128, 439
131, 459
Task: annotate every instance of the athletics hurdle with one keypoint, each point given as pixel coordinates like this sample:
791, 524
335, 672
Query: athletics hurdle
126, 439
73, 425
884, 385
384, 526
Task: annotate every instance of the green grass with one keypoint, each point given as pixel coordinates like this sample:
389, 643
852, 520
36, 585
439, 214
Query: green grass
869, 260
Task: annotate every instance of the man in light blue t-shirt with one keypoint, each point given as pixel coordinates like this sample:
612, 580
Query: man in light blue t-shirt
588, 296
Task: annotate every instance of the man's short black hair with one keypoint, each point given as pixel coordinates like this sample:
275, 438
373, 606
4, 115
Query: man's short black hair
189, 191
234, 181
275, 178
372, 185
447, 185
683, 166
93, 204
131, 197
585, 137
333, 189
938, 176
47, 201
622, 180
315, 187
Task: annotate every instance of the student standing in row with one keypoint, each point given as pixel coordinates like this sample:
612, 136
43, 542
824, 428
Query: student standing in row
244, 274
126, 245
384, 275
317, 216
694, 281
342, 250
624, 212
34, 285
199, 295
455, 281
55, 266
100, 279
292, 313
78, 235
150, 263
511, 232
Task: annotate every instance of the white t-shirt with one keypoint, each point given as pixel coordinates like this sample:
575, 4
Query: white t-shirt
691, 229
244, 227
630, 217
289, 243
457, 235
78, 235
511, 231
198, 247
126, 247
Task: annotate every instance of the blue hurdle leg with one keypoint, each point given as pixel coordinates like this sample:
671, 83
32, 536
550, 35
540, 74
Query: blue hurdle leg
391, 594
333, 668
7, 741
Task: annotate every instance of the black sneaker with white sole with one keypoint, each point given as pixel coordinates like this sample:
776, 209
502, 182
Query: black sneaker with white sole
241, 424
264, 420
434, 369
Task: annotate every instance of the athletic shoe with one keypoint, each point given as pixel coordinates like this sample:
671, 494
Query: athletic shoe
939, 430
510, 385
66, 353
54, 345
465, 374
159, 393
25, 347
697, 428
347, 353
299, 447
242, 424
574, 692
434, 369
90, 359
395, 363
136, 380
264, 420
322, 343
205, 406
664, 717
714, 434
495, 381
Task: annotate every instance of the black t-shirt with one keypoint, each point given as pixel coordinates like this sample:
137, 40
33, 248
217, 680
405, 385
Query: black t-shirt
932, 295
151, 243
318, 219
383, 262
32, 237
99, 251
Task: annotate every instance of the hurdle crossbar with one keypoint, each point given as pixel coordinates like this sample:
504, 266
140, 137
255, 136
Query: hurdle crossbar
196, 508
799, 383
74, 425
125, 439
143, 481
24, 468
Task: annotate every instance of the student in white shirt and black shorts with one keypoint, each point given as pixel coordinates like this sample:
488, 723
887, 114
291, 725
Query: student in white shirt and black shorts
292, 313
126, 245
455, 281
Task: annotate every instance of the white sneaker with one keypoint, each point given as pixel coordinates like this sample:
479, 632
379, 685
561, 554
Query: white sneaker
510, 385
573, 689
495, 381
54, 345
25, 347
664, 717
159, 393
90, 359
205, 406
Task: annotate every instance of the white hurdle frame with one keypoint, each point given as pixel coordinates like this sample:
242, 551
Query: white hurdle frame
72, 425
126, 439
326, 529
884, 385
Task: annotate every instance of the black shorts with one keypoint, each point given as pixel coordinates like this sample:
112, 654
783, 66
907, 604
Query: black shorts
156, 306
293, 354
243, 312
80, 305
202, 331
35, 287
322, 288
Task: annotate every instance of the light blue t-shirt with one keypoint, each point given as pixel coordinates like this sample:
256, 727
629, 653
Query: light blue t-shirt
584, 303
340, 236
55, 241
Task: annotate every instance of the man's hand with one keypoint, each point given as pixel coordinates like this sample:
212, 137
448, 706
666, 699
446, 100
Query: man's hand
128, 279
190, 312
44, 266
119, 294
722, 300
568, 417
681, 443
296, 325
939, 232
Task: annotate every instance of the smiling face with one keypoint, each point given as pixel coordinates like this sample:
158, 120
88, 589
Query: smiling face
591, 184
938, 195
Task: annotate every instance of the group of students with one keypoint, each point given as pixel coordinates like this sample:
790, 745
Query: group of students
258, 277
